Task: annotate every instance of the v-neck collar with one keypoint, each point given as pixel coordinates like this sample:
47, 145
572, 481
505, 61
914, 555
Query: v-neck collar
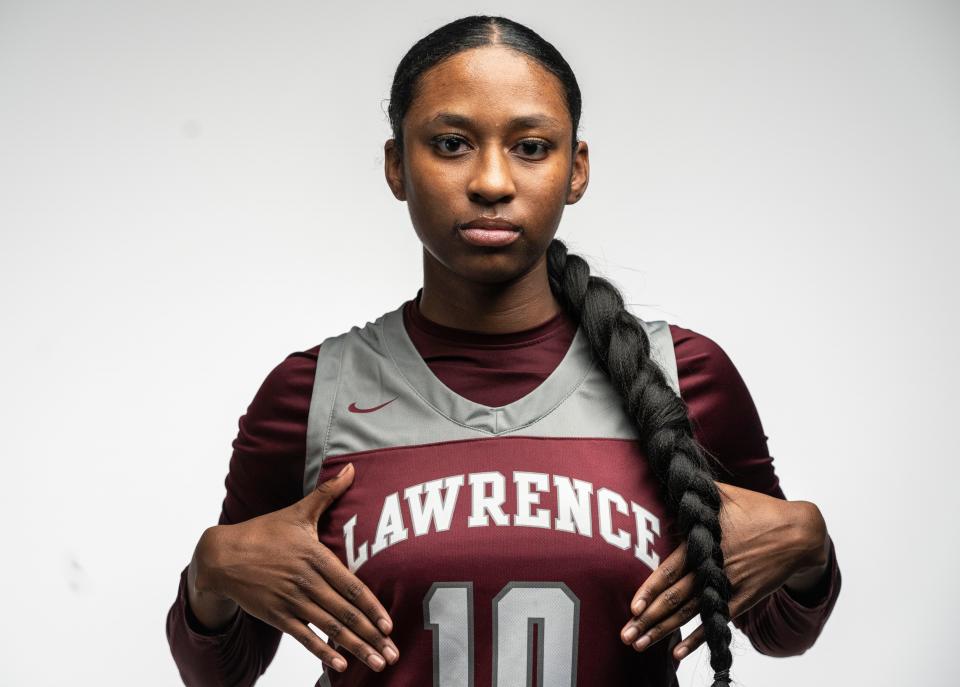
539, 402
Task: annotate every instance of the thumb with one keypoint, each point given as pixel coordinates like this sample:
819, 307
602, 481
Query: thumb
326, 492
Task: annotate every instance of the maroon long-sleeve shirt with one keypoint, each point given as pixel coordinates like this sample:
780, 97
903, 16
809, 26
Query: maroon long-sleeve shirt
267, 467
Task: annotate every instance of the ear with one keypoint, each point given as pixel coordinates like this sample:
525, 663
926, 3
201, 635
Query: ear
579, 173
393, 169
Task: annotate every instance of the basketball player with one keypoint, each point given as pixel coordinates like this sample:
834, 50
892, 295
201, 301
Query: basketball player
508, 479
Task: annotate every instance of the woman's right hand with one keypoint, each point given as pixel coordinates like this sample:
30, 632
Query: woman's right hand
275, 568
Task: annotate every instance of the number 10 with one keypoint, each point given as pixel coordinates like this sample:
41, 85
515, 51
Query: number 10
517, 608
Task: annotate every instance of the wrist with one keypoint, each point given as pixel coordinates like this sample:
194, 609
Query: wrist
814, 544
212, 609
203, 567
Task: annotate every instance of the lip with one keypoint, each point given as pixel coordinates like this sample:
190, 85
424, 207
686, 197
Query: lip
491, 223
489, 232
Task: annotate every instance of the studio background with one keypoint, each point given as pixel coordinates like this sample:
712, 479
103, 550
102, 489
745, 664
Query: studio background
190, 191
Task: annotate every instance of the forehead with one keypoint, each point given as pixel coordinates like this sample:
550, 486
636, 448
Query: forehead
490, 83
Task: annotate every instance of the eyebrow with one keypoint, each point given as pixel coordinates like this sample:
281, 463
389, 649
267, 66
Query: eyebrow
530, 121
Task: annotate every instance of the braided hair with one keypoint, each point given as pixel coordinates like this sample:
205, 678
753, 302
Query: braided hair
616, 337
666, 434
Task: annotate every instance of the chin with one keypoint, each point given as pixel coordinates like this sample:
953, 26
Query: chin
493, 268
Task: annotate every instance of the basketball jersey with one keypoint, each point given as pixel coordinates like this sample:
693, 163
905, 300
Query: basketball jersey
507, 542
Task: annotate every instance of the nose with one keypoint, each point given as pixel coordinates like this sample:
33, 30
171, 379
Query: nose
491, 180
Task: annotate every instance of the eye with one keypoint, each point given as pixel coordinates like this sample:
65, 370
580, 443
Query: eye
448, 143
533, 144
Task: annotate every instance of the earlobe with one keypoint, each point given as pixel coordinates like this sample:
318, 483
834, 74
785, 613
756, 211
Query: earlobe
393, 170
579, 173
578, 187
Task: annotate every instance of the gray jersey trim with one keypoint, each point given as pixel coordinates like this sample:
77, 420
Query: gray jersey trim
385, 368
559, 384
326, 384
662, 352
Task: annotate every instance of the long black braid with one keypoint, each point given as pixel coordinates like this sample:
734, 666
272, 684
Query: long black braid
616, 336
666, 434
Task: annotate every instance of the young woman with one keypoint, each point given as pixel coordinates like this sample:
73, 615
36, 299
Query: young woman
509, 479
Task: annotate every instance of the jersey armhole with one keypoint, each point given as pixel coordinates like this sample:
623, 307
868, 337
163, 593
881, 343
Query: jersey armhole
326, 386
662, 352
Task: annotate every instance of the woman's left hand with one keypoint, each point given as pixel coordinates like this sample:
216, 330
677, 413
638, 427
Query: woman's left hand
766, 542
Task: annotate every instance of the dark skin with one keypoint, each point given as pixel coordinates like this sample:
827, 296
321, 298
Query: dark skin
491, 162
498, 168
275, 568
486, 169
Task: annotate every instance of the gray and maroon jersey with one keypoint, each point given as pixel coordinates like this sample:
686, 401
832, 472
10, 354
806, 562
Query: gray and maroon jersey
505, 542
483, 445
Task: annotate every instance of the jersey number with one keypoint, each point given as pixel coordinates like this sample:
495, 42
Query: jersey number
517, 608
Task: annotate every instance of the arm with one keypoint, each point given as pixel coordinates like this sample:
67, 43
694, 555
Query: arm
212, 641
727, 425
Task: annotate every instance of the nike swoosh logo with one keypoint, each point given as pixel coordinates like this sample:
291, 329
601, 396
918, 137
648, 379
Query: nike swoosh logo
354, 409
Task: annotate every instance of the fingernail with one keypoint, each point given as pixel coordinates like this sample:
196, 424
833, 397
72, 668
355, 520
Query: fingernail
642, 643
376, 660
384, 625
343, 470
390, 654
339, 664
630, 634
638, 607
681, 652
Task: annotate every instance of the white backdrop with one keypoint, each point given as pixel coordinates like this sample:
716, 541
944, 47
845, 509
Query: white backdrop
189, 191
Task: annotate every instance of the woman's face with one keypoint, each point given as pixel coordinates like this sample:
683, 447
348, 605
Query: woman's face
488, 135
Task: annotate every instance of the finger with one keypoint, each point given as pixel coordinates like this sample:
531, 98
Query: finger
661, 608
690, 644
666, 574
319, 593
351, 587
316, 646
693, 640
664, 628
319, 499
342, 635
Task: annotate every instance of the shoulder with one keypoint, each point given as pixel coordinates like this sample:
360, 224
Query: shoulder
277, 414
266, 468
292, 376
723, 413
698, 353
704, 366
292, 380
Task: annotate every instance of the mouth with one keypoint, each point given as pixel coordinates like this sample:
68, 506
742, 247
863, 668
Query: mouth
489, 232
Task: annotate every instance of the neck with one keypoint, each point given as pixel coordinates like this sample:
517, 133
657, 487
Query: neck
519, 304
